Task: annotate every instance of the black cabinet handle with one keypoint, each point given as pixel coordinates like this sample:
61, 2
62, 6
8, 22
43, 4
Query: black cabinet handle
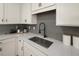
0, 49
22, 48
19, 40
6, 20
2, 20
0, 42
25, 20
40, 4
31, 55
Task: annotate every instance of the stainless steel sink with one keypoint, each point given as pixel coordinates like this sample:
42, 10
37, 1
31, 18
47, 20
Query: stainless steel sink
41, 41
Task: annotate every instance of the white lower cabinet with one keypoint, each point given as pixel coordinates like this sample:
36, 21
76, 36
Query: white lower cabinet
8, 47
31, 51
27, 51
0, 48
20, 47
17, 47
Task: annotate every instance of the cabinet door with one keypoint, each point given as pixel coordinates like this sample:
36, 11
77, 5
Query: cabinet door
67, 14
0, 48
44, 5
31, 51
1, 13
35, 6
27, 51
20, 47
8, 47
26, 13
12, 13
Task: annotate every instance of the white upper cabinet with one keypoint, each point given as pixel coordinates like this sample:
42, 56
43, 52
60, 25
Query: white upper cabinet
26, 13
35, 6
67, 14
1, 13
12, 13
9, 13
27, 17
42, 7
16, 13
47, 4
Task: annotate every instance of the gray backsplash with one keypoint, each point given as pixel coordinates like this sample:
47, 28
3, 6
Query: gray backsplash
53, 31
49, 18
6, 28
71, 30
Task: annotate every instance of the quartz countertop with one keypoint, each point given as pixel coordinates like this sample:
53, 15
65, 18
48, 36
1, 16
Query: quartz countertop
56, 49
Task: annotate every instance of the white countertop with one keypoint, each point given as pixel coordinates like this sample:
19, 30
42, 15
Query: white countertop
56, 49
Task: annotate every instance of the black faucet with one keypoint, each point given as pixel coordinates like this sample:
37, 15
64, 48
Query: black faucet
42, 29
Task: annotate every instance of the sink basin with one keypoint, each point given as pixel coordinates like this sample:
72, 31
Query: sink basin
41, 41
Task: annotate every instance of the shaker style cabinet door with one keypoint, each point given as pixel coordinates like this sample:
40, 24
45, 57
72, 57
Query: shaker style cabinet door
35, 6
0, 48
27, 51
67, 14
42, 7
26, 13
9, 47
20, 47
1, 13
12, 13
47, 4
31, 51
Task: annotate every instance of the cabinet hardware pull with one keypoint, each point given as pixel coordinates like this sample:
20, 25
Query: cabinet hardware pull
31, 55
40, 4
17, 55
22, 48
20, 40
25, 20
2, 20
0, 42
6, 20
0, 49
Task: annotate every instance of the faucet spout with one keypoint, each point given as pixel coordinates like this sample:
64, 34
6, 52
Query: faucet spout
44, 29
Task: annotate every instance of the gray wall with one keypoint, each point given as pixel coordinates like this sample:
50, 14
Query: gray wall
70, 30
53, 31
6, 28
49, 18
